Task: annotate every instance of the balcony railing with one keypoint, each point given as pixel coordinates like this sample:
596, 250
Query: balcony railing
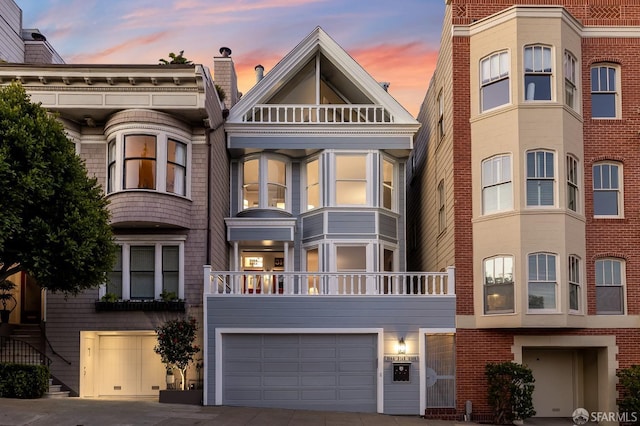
318, 114
274, 284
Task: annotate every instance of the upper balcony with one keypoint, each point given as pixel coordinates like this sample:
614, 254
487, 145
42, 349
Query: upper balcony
318, 114
314, 284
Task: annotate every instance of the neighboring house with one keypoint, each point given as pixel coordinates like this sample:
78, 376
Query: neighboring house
524, 178
152, 135
22, 45
316, 309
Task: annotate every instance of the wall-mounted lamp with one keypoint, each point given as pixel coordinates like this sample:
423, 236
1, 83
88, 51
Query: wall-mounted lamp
402, 346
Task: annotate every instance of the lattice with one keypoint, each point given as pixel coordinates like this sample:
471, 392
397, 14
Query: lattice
460, 11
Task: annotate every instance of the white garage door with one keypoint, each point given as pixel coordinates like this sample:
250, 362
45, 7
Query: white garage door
309, 371
128, 366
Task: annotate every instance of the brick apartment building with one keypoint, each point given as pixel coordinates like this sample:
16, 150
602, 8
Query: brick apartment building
525, 177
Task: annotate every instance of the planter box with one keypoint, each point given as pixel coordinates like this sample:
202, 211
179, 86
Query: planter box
192, 397
140, 305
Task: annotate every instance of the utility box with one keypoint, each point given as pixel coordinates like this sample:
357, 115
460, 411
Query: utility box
401, 372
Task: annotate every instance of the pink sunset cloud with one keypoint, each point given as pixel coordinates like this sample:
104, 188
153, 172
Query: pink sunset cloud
102, 56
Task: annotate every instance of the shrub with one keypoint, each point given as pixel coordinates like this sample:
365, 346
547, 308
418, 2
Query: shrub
510, 391
630, 401
23, 381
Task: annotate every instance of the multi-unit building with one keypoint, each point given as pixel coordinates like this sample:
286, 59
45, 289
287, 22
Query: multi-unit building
524, 176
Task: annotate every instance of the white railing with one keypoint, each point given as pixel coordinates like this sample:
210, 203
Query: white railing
252, 284
318, 114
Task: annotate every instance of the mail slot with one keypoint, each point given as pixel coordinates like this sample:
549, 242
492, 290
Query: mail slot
401, 372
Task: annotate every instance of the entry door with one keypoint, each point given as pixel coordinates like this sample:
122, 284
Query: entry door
553, 371
30, 300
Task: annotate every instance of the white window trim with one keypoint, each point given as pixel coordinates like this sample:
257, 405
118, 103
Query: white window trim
263, 196
149, 240
394, 186
368, 177
393, 248
577, 183
551, 73
579, 283
620, 214
573, 80
617, 92
493, 80
558, 297
623, 279
162, 136
483, 187
305, 184
554, 180
513, 283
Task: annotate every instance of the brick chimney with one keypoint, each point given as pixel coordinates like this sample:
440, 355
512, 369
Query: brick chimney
224, 75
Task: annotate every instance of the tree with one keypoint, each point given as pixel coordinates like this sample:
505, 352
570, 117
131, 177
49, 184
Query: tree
629, 402
54, 223
175, 344
510, 392
175, 59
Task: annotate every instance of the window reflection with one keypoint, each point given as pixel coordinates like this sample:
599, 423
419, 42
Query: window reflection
140, 161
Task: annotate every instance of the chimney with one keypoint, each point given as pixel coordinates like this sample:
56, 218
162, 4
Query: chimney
224, 75
259, 72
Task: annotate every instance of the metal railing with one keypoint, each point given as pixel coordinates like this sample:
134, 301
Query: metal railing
20, 352
318, 114
329, 283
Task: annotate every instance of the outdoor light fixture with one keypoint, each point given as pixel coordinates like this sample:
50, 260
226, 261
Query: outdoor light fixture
402, 347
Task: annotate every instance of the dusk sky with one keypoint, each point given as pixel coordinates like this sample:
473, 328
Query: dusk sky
395, 41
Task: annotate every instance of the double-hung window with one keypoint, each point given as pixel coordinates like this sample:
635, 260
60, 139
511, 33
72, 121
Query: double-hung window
176, 167
609, 286
572, 183
388, 184
440, 115
542, 281
145, 268
607, 198
494, 81
575, 291
540, 178
498, 285
111, 166
604, 91
312, 188
139, 162
264, 183
570, 90
442, 218
497, 192
351, 179
537, 73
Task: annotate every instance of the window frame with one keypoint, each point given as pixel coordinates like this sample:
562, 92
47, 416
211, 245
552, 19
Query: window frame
115, 173
158, 242
573, 182
440, 101
153, 160
503, 58
544, 178
177, 166
537, 280
367, 178
263, 181
486, 286
571, 74
574, 281
618, 191
622, 284
394, 183
539, 72
498, 183
307, 186
597, 89
442, 214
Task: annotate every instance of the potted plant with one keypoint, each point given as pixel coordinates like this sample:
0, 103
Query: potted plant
170, 379
176, 344
7, 300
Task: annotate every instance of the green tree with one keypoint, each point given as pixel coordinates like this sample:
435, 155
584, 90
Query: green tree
176, 344
510, 392
629, 402
175, 59
54, 222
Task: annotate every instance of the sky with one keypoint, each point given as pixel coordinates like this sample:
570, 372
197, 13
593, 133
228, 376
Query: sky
393, 40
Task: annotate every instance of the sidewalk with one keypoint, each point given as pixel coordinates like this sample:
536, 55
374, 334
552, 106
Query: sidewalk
99, 412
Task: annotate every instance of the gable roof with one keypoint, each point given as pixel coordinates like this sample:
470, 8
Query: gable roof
293, 62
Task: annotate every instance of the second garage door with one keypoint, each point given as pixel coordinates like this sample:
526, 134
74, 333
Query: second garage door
301, 371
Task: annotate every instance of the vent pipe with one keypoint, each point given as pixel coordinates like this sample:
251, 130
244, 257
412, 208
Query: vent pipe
259, 72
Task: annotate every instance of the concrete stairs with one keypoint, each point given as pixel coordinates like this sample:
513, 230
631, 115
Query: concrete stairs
55, 391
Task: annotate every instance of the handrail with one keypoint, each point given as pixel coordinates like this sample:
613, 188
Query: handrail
318, 114
18, 351
46, 339
330, 283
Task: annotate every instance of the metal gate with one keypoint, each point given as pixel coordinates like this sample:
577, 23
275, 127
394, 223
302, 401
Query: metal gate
440, 366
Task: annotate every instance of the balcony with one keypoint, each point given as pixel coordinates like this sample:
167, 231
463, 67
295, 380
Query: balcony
313, 284
317, 114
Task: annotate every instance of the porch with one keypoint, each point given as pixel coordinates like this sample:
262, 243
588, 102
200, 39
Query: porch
276, 283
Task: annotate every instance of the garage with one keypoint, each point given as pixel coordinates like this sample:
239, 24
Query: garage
128, 366
300, 371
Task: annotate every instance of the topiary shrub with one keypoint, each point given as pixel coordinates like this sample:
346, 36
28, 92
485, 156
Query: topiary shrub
23, 381
176, 344
510, 391
629, 404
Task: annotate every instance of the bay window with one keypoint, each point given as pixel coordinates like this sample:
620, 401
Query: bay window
494, 81
265, 182
388, 184
139, 162
542, 281
498, 285
312, 188
176, 167
351, 179
497, 192
540, 178
537, 73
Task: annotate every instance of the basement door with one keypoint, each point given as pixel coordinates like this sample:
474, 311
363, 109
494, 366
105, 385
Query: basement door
300, 371
128, 366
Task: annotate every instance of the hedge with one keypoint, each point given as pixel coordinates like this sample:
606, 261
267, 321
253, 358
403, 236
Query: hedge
23, 381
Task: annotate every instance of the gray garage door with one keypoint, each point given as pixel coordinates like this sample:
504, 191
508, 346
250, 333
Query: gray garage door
308, 371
